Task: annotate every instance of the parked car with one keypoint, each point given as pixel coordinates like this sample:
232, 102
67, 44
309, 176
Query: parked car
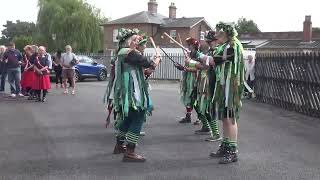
89, 68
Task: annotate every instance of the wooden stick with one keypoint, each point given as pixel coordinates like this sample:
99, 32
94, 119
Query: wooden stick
184, 52
153, 45
173, 40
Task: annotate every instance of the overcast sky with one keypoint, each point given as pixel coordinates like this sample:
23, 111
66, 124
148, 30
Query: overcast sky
270, 15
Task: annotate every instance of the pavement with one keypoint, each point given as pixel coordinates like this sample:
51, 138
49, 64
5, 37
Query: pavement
65, 138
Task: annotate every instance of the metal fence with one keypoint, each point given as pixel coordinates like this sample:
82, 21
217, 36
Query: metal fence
290, 81
165, 71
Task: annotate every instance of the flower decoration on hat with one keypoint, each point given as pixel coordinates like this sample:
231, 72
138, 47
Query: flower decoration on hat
227, 28
193, 42
210, 36
124, 34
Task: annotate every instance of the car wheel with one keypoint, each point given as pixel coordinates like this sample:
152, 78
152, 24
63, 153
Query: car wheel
102, 75
77, 76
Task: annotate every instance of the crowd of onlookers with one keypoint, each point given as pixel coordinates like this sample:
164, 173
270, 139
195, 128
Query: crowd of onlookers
28, 73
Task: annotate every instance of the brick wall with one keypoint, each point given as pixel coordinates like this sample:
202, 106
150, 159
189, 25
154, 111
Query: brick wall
157, 32
165, 41
196, 31
148, 29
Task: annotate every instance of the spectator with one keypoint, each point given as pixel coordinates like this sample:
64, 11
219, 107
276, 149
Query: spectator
33, 60
68, 61
3, 69
41, 82
13, 59
58, 68
48, 56
250, 70
27, 76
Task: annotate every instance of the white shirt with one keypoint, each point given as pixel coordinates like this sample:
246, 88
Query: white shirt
66, 59
50, 60
250, 70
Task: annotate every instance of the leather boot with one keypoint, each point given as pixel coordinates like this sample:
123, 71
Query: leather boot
120, 147
221, 151
131, 156
203, 131
230, 156
186, 119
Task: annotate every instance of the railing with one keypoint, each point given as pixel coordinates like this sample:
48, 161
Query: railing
289, 80
166, 70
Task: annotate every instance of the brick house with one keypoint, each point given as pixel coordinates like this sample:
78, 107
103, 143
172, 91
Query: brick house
154, 24
305, 41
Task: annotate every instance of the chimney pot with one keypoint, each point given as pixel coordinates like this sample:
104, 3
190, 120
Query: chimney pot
153, 6
307, 29
172, 11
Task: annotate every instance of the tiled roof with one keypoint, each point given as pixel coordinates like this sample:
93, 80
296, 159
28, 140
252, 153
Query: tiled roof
141, 17
278, 35
181, 22
146, 17
291, 44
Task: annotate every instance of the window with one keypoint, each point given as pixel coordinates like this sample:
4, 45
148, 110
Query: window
85, 60
114, 35
173, 34
202, 35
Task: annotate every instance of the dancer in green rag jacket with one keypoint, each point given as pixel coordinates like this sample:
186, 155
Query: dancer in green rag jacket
188, 92
131, 98
204, 93
142, 43
229, 87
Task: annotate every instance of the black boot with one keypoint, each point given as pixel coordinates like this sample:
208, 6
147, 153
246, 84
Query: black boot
186, 119
131, 156
230, 156
197, 122
44, 99
203, 131
120, 146
38, 99
221, 151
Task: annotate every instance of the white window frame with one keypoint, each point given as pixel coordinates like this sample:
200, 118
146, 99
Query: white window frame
114, 35
202, 35
173, 34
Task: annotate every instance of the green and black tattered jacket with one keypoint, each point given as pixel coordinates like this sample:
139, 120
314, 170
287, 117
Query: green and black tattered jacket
129, 89
229, 86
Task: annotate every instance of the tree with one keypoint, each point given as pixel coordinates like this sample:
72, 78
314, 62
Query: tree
74, 22
316, 29
17, 29
246, 26
22, 41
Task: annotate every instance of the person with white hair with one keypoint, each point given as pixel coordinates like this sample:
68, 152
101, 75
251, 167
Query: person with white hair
250, 72
3, 69
42, 78
68, 61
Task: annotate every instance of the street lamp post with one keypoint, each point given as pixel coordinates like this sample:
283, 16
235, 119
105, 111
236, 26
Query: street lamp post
54, 37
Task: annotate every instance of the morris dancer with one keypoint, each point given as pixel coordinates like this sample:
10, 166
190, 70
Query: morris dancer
131, 99
42, 79
229, 88
204, 95
188, 92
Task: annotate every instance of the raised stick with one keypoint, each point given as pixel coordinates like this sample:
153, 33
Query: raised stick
173, 40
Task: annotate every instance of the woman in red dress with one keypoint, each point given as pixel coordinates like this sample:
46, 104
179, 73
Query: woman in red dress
28, 73
41, 83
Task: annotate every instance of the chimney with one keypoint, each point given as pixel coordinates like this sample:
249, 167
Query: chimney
172, 11
307, 29
153, 6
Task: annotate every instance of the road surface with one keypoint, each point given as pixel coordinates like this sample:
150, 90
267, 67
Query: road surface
65, 138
